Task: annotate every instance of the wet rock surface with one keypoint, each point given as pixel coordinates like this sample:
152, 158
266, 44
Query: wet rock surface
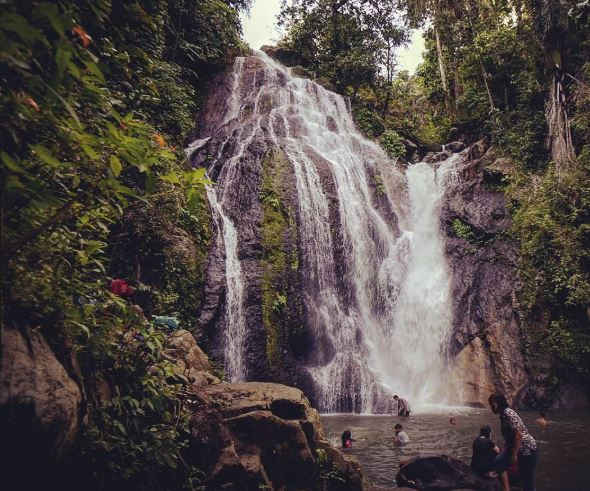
442, 473
491, 343
254, 435
286, 56
487, 340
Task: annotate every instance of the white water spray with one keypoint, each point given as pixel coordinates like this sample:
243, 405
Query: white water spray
377, 293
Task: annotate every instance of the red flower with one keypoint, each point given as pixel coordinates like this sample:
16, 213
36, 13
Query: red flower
121, 288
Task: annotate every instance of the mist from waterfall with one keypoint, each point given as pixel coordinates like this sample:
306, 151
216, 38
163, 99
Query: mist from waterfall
377, 287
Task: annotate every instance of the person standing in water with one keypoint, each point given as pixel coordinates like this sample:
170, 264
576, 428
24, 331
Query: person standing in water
403, 406
520, 447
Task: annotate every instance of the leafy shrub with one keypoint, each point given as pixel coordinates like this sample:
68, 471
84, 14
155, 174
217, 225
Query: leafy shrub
74, 158
368, 121
392, 143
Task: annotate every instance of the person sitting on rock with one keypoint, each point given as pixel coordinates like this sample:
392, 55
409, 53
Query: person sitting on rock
484, 453
403, 406
346, 439
401, 437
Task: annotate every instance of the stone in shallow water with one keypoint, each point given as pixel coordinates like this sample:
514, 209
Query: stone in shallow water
442, 473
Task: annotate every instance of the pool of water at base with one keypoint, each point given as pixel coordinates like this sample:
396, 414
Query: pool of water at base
564, 443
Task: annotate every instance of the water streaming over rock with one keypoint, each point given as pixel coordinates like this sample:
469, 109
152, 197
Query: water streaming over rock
376, 293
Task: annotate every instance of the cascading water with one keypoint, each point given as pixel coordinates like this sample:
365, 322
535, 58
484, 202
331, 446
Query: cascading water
235, 327
422, 314
377, 291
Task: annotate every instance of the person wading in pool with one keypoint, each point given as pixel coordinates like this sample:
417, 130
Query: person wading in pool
347, 439
520, 446
403, 406
401, 437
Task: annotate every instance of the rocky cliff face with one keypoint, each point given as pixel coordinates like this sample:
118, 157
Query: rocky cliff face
246, 436
492, 346
487, 343
263, 210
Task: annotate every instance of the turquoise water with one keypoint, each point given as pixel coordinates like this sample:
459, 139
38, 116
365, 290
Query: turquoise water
564, 444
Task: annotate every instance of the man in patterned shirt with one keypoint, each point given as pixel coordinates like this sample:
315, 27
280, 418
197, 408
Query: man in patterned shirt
520, 446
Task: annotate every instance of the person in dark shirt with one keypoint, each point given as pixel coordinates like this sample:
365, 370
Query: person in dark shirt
484, 453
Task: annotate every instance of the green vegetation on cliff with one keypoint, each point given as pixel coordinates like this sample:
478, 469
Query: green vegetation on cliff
97, 99
280, 258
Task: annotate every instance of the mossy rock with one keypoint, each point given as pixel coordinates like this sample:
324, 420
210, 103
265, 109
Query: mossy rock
280, 264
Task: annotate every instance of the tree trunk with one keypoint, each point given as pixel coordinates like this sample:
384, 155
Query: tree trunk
559, 138
443, 75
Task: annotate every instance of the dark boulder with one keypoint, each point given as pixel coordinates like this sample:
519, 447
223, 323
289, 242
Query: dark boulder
442, 473
39, 407
456, 146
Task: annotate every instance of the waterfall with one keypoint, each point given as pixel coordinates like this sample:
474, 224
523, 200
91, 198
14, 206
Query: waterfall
234, 329
376, 282
422, 314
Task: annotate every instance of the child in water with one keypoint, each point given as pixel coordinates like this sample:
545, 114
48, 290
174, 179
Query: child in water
401, 437
346, 439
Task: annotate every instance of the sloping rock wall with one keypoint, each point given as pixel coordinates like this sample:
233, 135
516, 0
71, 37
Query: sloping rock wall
487, 340
492, 347
39, 405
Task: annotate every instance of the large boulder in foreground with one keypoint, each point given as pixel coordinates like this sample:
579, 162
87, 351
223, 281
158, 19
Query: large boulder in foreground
39, 403
442, 473
264, 436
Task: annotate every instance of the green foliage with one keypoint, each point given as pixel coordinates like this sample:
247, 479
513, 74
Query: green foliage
329, 477
570, 345
282, 308
368, 121
280, 304
378, 179
275, 227
472, 235
552, 220
463, 230
94, 94
345, 41
139, 434
392, 144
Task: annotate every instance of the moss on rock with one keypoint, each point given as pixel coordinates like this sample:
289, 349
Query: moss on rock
280, 255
